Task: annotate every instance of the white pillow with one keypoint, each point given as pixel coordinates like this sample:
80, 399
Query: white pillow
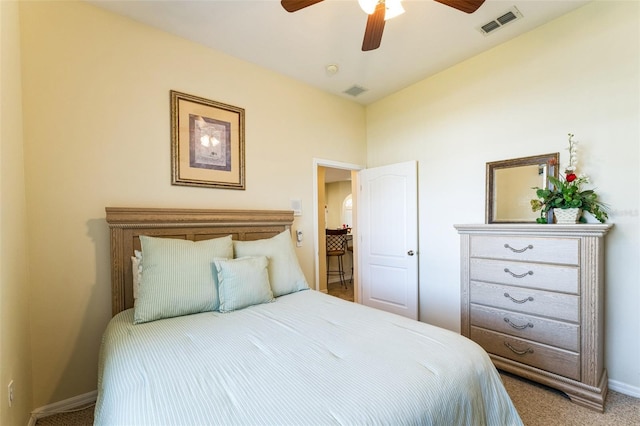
285, 274
243, 282
178, 277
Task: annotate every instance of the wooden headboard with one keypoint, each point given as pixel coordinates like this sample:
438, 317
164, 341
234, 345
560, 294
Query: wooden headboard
126, 224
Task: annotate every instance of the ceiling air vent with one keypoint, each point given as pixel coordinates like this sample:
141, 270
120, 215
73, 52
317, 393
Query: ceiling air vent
512, 15
355, 90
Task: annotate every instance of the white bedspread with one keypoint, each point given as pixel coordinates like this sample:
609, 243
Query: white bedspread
306, 359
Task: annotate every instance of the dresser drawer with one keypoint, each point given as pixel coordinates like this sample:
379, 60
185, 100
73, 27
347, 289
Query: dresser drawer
531, 249
525, 300
535, 275
554, 360
556, 333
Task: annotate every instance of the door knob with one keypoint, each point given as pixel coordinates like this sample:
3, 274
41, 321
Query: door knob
410, 252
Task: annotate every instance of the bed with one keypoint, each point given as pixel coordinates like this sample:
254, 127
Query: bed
275, 352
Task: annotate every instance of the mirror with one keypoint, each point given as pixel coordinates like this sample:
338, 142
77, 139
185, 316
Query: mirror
510, 183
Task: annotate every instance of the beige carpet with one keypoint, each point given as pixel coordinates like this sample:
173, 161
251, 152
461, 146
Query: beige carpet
75, 418
537, 405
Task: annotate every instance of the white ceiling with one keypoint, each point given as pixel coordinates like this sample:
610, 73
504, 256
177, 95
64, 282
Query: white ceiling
428, 38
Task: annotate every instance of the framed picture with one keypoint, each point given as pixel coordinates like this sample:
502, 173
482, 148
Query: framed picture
207, 143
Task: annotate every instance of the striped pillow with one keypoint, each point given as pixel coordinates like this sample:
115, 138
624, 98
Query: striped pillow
178, 277
285, 274
243, 282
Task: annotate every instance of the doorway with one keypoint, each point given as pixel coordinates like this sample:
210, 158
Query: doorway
335, 206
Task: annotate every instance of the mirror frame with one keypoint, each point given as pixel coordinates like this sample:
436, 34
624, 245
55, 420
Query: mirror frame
552, 161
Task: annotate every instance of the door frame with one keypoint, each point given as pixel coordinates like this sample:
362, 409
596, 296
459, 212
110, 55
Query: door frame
319, 162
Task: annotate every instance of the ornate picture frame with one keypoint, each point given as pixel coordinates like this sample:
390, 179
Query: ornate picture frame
207, 143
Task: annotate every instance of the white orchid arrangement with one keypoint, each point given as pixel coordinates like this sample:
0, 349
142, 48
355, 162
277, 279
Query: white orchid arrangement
567, 192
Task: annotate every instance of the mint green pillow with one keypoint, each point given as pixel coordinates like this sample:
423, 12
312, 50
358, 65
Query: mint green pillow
243, 282
178, 277
285, 274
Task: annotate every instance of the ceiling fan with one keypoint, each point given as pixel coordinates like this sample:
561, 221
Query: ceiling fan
379, 11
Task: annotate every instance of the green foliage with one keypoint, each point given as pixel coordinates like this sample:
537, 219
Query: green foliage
566, 195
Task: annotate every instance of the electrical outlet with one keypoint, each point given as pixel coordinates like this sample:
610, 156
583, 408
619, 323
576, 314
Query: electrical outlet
10, 393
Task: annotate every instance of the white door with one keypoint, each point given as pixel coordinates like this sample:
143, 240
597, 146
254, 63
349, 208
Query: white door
388, 238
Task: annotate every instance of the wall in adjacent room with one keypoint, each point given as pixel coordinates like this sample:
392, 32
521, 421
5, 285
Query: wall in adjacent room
15, 350
96, 104
579, 74
336, 193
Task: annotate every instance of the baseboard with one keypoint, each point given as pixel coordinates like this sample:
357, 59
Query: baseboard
70, 404
624, 388
337, 279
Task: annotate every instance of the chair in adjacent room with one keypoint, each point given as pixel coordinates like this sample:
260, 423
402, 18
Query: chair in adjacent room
336, 248
350, 251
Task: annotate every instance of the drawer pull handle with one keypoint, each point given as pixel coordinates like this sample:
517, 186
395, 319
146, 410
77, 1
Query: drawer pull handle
529, 247
516, 326
518, 275
528, 299
514, 350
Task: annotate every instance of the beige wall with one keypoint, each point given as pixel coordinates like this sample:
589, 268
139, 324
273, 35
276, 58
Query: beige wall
578, 74
96, 104
15, 351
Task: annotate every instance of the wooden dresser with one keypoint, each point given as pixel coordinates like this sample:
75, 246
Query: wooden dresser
532, 297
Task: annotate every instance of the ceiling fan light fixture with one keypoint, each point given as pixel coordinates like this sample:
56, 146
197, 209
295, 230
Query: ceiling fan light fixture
393, 8
368, 6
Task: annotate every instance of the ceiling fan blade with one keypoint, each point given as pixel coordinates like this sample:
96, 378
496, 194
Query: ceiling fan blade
468, 6
295, 5
374, 29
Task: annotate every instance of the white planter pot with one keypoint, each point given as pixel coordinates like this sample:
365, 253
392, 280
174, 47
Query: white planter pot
567, 215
